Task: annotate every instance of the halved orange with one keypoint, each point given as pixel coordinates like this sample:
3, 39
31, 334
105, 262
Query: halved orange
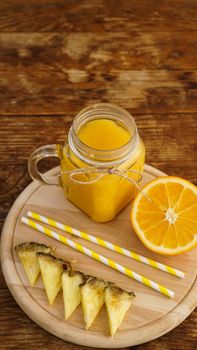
165, 216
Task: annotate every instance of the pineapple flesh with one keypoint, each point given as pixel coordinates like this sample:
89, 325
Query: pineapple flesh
77, 287
92, 297
27, 255
71, 282
51, 271
117, 302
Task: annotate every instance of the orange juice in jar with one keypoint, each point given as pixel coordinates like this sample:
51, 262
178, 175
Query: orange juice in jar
103, 136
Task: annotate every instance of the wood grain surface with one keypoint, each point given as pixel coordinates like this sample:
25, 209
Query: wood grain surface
58, 56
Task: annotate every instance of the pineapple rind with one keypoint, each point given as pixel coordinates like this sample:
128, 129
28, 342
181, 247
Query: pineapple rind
27, 254
117, 302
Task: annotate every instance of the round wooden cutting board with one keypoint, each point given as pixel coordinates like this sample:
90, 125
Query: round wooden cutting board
151, 313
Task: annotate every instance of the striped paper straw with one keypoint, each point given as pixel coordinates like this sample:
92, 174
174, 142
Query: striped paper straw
107, 244
91, 253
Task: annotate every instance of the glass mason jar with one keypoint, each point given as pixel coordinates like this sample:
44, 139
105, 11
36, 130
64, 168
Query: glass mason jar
100, 195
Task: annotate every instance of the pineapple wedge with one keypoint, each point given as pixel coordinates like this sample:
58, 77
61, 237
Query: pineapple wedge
92, 297
51, 270
27, 254
117, 302
71, 281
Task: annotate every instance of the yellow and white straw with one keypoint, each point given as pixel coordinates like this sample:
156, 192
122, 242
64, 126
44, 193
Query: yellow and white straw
106, 261
106, 244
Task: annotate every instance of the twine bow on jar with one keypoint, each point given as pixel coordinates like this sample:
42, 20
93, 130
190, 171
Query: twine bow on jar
102, 171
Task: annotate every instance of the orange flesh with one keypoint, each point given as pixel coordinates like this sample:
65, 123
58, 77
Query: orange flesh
168, 223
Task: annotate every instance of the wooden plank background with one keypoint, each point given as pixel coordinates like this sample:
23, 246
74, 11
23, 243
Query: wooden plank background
58, 56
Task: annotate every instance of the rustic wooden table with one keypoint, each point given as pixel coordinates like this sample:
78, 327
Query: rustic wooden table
58, 56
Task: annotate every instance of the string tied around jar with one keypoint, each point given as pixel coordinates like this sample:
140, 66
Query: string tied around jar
102, 171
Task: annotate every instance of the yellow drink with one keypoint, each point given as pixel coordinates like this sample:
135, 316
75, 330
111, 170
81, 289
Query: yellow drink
103, 199
103, 147
104, 134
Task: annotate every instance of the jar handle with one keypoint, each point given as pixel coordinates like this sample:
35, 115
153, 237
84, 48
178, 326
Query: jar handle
53, 150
